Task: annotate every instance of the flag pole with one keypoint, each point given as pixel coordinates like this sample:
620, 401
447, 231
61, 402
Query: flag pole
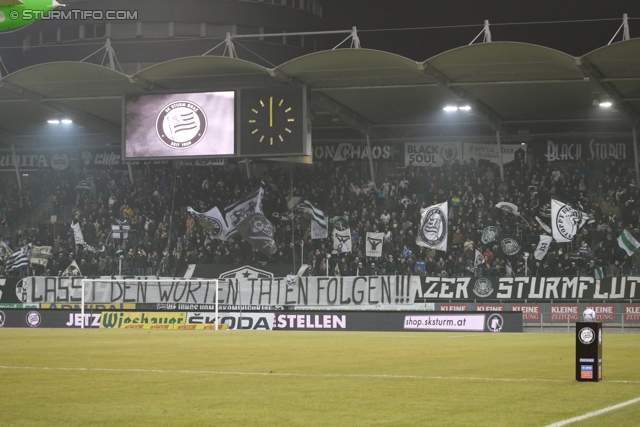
293, 229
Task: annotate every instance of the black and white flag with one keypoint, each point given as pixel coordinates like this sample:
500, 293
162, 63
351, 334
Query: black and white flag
212, 221
17, 259
566, 221
259, 232
479, 259
243, 208
40, 255
342, 240
5, 250
120, 230
72, 270
543, 247
433, 230
374, 244
510, 245
490, 234
318, 231
77, 234
310, 211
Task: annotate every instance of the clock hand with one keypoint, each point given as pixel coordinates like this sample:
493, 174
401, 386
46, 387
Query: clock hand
271, 112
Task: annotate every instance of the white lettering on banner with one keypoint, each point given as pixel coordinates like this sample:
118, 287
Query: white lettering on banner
489, 307
311, 321
24, 161
529, 311
432, 154
539, 288
470, 322
490, 152
244, 321
454, 307
345, 151
107, 159
597, 151
603, 312
90, 320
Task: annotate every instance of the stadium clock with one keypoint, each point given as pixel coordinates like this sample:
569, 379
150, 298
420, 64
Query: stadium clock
273, 122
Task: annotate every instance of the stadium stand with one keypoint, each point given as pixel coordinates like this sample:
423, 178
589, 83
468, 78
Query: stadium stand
163, 240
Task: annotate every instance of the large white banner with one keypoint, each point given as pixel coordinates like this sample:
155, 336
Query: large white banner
434, 225
431, 154
342, 240
490, 152
304, 291
438, 154
374, 244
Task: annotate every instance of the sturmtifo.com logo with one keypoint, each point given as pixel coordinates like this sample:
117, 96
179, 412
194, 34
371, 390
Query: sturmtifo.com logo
181, 124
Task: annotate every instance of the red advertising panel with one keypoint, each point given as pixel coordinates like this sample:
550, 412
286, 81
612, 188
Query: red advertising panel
489, 307
632, 313
454, 307
565, 312
529, 311
604, 312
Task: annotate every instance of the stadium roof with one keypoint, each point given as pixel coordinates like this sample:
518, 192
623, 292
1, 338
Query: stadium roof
525, 91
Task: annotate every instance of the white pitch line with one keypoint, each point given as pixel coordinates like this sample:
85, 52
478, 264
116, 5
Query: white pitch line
595, 413
292, 374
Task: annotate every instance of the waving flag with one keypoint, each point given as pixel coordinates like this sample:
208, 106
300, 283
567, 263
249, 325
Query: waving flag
543, 247
259, 232
77, 234
628, 243
40, 255
566, 221
17, 259
433, 230
479, 259
243, 208
310, 211
212, 221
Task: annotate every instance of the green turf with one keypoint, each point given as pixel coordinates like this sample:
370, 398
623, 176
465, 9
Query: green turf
234, 378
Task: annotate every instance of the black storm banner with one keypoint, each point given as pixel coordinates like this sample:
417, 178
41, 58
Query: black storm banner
593, 149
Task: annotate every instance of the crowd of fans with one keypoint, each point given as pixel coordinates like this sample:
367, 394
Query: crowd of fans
163, 239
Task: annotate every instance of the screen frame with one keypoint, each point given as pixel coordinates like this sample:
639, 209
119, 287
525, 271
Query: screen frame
235, 119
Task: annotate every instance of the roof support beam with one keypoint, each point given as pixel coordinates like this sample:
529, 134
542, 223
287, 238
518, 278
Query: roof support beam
323, 102
347, 116
488, 116
597, 77
87, 120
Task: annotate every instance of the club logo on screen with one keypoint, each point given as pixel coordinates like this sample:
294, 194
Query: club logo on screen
181, 124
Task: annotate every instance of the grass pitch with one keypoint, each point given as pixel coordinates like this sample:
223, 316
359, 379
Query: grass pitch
238, 378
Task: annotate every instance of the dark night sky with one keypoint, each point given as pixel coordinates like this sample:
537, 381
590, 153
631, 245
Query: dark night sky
575, 38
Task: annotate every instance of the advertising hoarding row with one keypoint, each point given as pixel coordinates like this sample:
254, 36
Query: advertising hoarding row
316, 321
